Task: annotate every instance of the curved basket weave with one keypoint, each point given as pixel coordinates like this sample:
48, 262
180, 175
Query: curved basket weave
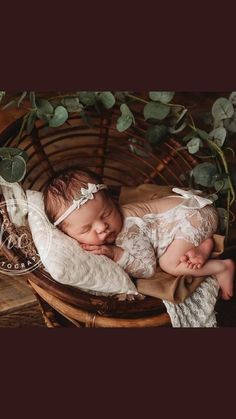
121, 159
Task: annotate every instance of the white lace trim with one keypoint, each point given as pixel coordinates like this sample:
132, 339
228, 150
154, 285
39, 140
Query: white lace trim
198, 309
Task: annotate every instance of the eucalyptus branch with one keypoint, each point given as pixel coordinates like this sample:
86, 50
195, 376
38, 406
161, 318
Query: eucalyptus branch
219, 151
193, 125
18, 138
222, 156
139, 99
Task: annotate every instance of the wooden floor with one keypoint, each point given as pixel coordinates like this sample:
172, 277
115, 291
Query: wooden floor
18, 305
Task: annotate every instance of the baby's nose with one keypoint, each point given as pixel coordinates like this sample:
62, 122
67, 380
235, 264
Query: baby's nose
101, 227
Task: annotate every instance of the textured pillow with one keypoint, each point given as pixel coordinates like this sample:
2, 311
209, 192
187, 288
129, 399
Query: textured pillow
68, 263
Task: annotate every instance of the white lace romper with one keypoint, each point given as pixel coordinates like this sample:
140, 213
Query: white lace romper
145, 239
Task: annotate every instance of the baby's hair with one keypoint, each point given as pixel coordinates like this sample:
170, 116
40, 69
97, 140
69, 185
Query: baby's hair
63, 187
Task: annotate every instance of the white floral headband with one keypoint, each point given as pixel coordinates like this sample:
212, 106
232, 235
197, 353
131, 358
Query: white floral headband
85, 195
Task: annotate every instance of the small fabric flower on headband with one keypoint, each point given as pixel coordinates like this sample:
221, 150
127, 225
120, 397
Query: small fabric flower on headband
84, 196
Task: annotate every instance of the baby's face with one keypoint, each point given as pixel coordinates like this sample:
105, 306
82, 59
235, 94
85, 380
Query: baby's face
98, 221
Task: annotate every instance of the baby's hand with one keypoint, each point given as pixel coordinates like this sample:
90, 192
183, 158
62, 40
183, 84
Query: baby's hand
111, 251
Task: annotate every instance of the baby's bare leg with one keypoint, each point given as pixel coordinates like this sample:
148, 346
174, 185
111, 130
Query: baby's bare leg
223, 270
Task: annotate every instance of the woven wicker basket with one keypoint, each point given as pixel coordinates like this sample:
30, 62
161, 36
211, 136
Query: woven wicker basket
109, 153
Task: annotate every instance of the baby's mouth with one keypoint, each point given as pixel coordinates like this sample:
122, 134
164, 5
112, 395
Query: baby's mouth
110, 237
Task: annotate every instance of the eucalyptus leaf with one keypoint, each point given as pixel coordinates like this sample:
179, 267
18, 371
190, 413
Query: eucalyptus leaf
59, 118
14, 169
72, 104
219, 136
44, 109
9, 152
153, 110
230, 123
222, 185
2, 95
194, 144
107, 98
232, 98
222, 108
121, 96
205, 174
156, 133
213, 197
126, 119
163, 97
87, 98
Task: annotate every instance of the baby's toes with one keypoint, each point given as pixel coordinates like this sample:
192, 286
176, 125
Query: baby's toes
183, 258
190, 265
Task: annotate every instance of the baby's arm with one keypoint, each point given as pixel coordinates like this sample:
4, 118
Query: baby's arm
138, 258
140, 265
133, 263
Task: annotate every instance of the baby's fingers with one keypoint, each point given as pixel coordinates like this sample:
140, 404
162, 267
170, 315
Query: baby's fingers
98, 252
89, 246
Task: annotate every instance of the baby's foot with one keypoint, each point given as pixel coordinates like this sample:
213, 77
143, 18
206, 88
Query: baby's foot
226, 280
197, 256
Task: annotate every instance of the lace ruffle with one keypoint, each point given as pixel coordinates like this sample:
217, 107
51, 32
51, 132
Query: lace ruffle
198, 309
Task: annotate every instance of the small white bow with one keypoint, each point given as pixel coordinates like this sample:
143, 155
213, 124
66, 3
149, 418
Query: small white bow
86, 194
195, 201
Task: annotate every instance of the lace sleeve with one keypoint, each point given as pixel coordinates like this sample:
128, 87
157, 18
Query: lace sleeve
138, 259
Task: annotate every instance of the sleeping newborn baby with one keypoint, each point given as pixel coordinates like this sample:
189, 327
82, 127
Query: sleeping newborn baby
176, 229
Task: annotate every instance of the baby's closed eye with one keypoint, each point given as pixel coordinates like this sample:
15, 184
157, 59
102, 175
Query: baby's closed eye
107, 213
85, 230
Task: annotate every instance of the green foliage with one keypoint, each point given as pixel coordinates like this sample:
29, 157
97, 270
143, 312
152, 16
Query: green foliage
163, 97
87, 98
2, 95
194, 144
44, 109
230, 123
72, 104
205, 174
222, 109
154, 110
59, 117
218, 135
126, 119
107, 98
12, 164
162, 118
156, 133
